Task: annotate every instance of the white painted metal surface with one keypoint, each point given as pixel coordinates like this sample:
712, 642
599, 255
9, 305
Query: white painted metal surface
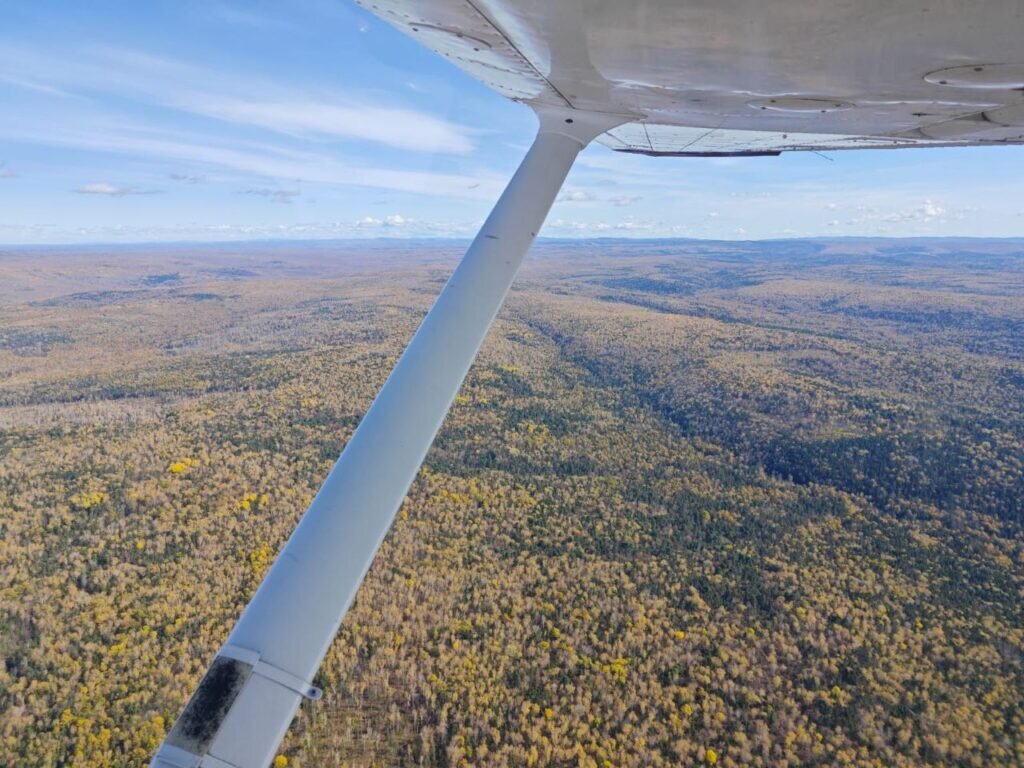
239, 718
700, 72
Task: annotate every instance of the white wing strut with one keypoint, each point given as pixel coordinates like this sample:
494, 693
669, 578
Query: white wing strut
243, 706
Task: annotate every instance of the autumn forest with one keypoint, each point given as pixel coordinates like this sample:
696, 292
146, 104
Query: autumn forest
697, 503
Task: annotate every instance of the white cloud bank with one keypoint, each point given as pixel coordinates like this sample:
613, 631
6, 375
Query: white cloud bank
395, 221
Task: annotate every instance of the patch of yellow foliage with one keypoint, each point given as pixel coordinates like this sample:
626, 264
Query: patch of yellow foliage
88, 499
618, 669
179, 467
259, 558
247, 501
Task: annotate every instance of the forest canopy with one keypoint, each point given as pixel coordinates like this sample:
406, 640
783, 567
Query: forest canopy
732, 504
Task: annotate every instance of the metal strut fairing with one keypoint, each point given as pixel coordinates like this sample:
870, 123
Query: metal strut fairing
248, 697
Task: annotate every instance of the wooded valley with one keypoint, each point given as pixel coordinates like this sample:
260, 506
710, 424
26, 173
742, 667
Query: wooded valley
698, 503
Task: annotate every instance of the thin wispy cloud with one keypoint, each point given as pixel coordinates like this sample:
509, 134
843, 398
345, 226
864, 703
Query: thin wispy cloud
574, 196
620, 201
7, 173
258, 159
246, 18
28, 84
400, 128
283, 196
111, 190
309, 113
186, 178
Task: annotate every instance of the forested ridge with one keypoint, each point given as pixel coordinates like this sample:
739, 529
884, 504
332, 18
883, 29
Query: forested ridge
734, 504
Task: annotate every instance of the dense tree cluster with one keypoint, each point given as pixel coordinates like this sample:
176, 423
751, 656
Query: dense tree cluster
648, 534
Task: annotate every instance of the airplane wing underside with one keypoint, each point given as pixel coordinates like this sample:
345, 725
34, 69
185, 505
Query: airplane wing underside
727, 77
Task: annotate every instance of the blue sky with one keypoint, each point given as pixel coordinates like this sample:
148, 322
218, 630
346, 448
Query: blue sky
210, 120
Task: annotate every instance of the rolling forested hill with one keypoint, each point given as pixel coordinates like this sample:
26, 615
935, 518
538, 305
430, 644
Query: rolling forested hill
698, 503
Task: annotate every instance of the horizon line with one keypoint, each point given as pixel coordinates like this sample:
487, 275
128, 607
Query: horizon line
467, 240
